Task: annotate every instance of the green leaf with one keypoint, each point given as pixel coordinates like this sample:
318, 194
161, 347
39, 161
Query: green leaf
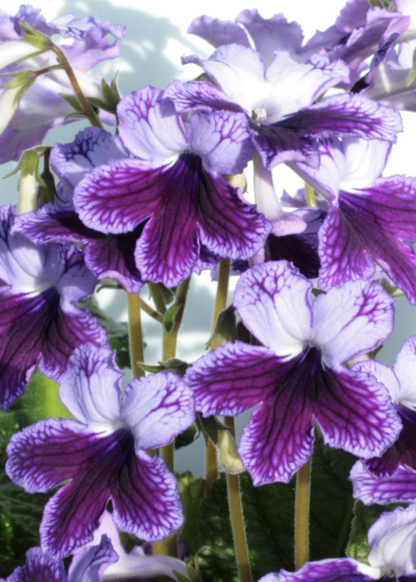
29, 163
35, 38
187, 437
331, 501
269, 518
111, 95
20, 512
191, 493
364, 517
73, 101
169, 318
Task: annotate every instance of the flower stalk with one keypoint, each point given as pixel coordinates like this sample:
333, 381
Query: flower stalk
302, 501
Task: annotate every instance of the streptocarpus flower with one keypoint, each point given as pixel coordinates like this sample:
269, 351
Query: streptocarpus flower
278, 102
392, 541
174, 187
87, 566
103, 456
298, 377
371, 219
40, 323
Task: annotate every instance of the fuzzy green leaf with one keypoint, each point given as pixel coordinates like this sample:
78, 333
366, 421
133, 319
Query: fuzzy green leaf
169, 318
191, 493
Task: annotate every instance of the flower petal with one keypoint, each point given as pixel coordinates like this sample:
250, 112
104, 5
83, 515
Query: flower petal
331, 570
351, 320
38, 568
233, 378
157, 408
370, 489
272, 299
90, 563
146, 499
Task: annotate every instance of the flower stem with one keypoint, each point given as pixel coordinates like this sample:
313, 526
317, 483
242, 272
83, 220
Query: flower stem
152, 312
157, 297
86, 107
211, 463
135, 333
236, 517
302, 499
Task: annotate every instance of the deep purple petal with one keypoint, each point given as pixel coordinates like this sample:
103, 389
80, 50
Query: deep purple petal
370, 489
73, 513
233, 378
299, 249
112, 256
66, 332
47, 453
39, 567
198, 95
367, 222
351, 320
90, 388
345, 115
343, 255
355, 413
92, 147
156, 409
218, 32
146, 500
89, 564
331, 570
279, 438
277, 145
272, 300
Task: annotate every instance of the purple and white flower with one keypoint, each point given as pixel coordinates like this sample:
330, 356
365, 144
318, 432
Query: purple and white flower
103, 456
173, 188
297, 375
40, 323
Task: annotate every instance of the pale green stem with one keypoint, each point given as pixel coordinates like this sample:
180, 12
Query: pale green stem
86, 107
211, 462
237, 518
310, 197
302, 498
135, 333
27, 194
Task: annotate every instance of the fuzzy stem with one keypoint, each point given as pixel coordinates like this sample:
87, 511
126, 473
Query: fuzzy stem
236, 517
86, 107
302, 499
135, 333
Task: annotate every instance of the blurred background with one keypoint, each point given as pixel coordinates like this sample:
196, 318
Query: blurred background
151, 55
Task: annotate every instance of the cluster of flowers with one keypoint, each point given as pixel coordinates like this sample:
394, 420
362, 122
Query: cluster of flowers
151, 204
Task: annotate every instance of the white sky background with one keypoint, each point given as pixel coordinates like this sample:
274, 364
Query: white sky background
150, 54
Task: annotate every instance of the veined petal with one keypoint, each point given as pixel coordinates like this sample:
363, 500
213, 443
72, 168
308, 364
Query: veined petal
221, 139
149, 128
218, 32
405, 370
272, 299
331, 570
92, 147
73, 513
198, 95
48, 453
355, 413
233, 378
91, 390
401, 488
146, 499
351, 320
38, 568
157, 408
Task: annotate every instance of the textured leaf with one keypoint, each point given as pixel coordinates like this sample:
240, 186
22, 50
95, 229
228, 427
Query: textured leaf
191, 492
364, 517
269, 518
